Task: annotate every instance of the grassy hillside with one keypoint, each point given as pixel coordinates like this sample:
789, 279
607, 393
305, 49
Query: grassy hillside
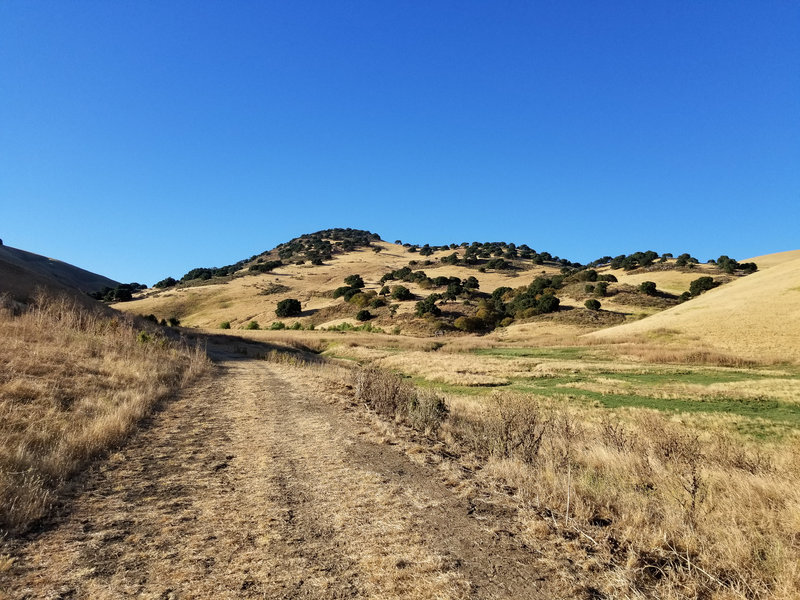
22, 272
250, 290
757, 316
74, 381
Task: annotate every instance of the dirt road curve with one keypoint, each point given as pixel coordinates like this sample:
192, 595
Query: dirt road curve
249, 486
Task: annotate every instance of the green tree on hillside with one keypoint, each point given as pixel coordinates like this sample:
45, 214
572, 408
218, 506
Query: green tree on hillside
290, 307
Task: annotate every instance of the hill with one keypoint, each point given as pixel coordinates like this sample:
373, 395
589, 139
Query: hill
22, 272
757, 316
312, 269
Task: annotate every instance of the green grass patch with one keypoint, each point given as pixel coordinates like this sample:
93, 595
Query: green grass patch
562, 352
780, 417
693, 377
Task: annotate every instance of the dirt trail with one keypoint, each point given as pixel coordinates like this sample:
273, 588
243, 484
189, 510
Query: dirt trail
249, 486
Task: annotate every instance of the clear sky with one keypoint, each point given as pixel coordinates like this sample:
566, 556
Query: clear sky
141, 139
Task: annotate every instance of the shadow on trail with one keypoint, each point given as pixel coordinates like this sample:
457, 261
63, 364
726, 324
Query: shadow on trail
228, 347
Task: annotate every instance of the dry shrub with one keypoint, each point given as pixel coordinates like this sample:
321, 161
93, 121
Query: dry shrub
388, 394
74, 381
674, 511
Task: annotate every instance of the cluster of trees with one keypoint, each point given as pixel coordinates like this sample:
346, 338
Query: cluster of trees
352, 291
265, 267
321, 245
475, 251
730, 265
506, 304
122, 293
642, 260
701, 284
455, 285
352, 286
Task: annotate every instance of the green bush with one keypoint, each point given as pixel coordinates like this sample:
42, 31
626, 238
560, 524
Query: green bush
428, 306
701, 284
165, 283
290, 307
592, 304
225, 325
363, 315
649, 288
601, 289
252, 325
354, 281
401, 292
278, 325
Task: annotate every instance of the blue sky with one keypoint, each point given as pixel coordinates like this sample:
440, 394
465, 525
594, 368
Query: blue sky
142, 139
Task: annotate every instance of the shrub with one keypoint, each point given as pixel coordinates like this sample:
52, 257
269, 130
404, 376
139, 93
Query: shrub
388, 394
278, 325
377, 303
165, 283
701, 284
469, 324
592, 304
253, 325
588, 288
428, 306
364, 315
401, 292
649, 288
290, 307
225, 325
601, 289
173, 321
359, 299
354, 281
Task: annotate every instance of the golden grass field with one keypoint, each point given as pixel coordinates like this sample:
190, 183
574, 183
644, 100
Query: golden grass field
757, 316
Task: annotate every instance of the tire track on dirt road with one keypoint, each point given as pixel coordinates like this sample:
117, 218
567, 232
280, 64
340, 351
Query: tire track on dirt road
248, 486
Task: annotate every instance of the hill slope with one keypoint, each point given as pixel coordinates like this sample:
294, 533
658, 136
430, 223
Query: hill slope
757, 316
22, 272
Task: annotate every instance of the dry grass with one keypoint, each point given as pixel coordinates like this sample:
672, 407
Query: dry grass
73, 383
655, 507
756, 317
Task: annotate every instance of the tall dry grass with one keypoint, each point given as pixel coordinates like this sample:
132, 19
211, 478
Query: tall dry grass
74, 382
660, 508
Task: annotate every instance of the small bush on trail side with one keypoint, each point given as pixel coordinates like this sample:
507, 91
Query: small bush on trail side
364, 315
225, 325
252, 325
389, 395
592, 304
